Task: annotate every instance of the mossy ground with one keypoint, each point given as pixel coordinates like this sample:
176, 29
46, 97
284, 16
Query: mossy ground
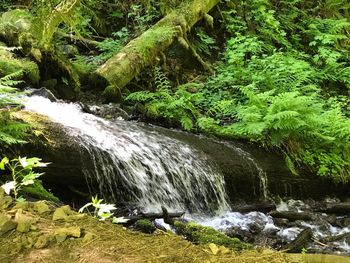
113, 243
43, 232
105, 242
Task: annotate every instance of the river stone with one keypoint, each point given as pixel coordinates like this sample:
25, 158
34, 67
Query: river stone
42, 207
22, 206
6, 224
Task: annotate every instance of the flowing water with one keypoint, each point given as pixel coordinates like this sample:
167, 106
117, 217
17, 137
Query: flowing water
264, 227
133, 164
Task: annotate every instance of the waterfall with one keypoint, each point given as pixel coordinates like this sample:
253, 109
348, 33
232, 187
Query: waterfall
134, 164
254, 167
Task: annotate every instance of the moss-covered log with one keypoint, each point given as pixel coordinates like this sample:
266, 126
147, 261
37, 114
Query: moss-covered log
147, 48
16, 31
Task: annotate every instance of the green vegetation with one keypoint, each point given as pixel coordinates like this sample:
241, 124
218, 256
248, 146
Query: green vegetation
283, 82
274, 73
21, 173
101, 210
205, 235
11, 131
145, 226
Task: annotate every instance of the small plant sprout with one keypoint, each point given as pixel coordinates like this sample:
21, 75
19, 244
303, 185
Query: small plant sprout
101, 210
21, 172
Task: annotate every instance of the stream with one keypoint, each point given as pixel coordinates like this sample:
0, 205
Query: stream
129, 162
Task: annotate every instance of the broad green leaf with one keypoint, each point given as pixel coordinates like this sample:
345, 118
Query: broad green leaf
3, 162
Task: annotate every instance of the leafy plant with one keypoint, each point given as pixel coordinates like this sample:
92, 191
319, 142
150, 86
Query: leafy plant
283, 82
21, 172
11, 131
204, 43
174, 107
101, 210
111, 46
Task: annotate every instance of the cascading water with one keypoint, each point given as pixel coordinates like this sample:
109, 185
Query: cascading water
128, 162
133, 164
255, 170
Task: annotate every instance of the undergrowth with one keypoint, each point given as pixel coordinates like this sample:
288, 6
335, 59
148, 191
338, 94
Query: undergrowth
11, 131
283, 82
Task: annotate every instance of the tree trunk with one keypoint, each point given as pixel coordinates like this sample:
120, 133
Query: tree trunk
299, 242
145, 50
293, 216
337, 208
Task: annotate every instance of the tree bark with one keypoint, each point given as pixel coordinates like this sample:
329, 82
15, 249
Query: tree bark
153, 216
264, 207
145, 50
299, 242
337, 208
293, 216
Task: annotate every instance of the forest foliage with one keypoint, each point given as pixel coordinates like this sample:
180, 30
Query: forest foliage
283, 81
282, 70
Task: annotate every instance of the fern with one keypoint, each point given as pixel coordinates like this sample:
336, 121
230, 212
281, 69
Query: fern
175, 108
283, 82
160, 80
11, 131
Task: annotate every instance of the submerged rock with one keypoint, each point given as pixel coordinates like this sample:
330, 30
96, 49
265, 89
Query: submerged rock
43, 92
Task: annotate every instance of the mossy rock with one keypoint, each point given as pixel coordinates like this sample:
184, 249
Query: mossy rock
204, 235
9, 65
145, 226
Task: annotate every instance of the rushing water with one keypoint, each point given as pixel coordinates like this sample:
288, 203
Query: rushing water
263, 226
133, 164
138, 165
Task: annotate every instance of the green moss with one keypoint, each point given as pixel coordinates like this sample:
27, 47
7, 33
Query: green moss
112, 94
203, 235
84, 70
38, 191
145, 226
9, 64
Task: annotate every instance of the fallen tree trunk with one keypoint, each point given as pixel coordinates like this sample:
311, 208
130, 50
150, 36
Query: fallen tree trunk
265, 208
153, 216
337, 208
299, 242
293, 216
328, 239
145, 50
